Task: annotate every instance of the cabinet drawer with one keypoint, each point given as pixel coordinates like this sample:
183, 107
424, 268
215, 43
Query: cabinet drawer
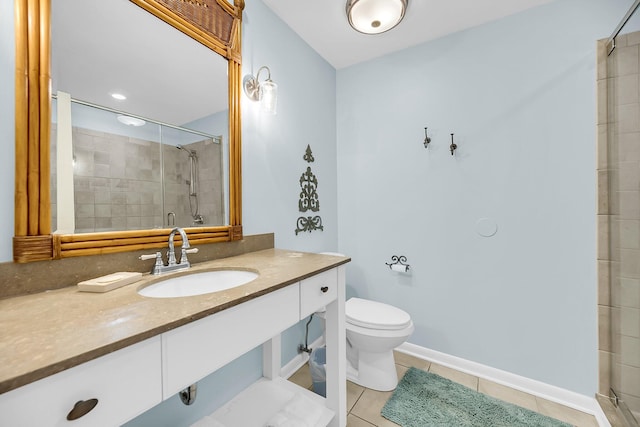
126, 383
318, 291
195, 350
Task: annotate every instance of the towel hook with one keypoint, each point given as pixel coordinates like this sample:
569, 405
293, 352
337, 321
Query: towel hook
427, 140
453, 146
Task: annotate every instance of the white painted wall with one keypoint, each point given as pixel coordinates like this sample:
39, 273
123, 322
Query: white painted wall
519, 94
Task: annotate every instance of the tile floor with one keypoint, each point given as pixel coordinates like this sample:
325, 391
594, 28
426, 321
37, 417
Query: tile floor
364, 405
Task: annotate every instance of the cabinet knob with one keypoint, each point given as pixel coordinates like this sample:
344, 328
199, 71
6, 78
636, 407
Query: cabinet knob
81, 408
324, 289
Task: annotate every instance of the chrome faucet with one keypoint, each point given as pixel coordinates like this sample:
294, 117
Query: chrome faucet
172, 265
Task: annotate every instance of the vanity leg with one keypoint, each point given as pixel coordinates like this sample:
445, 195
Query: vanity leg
336, 355
271, 357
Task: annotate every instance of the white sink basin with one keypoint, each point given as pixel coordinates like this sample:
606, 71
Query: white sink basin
197, 283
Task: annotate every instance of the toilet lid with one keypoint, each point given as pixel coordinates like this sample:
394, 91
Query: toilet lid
375, 315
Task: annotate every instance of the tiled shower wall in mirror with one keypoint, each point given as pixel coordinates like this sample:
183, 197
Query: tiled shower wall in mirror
126, 183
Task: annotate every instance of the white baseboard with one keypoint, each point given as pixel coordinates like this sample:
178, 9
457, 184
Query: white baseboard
297, 362
550, 392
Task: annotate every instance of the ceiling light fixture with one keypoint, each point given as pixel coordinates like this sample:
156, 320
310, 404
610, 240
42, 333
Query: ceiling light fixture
118, 96
266, 91
131, 121
375, 16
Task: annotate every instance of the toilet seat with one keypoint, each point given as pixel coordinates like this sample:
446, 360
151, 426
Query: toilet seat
375, 315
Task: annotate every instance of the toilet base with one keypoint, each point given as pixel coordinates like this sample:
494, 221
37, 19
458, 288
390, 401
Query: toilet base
376, 371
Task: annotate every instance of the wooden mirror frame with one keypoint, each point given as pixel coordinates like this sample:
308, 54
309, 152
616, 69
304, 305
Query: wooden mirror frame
214, 23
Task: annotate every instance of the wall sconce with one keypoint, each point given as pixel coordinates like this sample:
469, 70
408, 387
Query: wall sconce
266, 91
375, 16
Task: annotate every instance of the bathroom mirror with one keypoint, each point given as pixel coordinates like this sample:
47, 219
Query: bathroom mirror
208, 32
154, 159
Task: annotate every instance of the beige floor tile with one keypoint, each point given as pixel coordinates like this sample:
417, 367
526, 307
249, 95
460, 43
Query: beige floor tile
354, 391
353, 421
369, 406
302, 377
457, 376
563, 413
410, 361
364, 405
507, 394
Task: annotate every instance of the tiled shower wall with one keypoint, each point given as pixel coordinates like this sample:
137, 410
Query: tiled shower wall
118, 182
210, 198
619, 219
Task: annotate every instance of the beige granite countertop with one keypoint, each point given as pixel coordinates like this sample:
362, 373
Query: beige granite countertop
48, 332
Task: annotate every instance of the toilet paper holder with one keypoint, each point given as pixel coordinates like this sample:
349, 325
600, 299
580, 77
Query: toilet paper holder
398, 264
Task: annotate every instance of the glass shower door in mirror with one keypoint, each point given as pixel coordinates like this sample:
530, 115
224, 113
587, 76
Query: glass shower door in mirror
116, 171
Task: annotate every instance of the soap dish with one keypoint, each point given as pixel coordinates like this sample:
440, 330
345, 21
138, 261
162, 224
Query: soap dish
109, 282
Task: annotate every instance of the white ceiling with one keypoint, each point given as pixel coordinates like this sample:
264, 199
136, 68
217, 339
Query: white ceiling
140, 58
323, 24
99, 47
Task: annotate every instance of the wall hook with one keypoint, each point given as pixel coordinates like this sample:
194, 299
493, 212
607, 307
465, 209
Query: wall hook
453, 146
427, 140
398, 263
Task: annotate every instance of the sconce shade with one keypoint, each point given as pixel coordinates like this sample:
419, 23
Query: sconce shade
375, 16
265, 92
269, 100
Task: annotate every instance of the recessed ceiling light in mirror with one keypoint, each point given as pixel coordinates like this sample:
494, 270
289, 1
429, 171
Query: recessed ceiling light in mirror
131, 121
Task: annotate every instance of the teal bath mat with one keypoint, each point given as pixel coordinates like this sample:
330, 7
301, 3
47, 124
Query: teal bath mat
423, 399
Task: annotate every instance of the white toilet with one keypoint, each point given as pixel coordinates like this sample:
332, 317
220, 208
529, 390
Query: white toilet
374, 329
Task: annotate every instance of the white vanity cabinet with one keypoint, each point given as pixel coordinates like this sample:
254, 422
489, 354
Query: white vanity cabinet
125, 383
132, 380
194, 351
318, 291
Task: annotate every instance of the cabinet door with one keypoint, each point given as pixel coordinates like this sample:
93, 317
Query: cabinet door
125, 383
193, 351
318, 291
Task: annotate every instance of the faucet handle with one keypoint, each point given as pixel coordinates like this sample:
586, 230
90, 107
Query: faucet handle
156, 269
183, 255
148, 256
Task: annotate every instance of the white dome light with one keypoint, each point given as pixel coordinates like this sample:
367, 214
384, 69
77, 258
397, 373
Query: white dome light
375, 16
131, 121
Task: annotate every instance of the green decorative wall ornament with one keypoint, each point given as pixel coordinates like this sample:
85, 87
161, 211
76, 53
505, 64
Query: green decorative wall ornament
308, 193
309, 224
309, 200
308, 156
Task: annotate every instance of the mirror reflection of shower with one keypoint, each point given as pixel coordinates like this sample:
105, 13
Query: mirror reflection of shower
192, 182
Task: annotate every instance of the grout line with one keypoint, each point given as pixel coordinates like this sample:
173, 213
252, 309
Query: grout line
357, 400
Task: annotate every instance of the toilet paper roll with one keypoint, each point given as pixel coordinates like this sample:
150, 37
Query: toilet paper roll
400, 268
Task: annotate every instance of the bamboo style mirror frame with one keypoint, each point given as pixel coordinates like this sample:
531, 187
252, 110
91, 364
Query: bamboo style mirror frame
214, 23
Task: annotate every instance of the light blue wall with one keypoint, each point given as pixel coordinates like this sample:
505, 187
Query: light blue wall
7, 133
519, 94
273, 146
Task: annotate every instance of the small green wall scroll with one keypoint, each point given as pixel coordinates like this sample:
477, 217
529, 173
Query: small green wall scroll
309, 200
